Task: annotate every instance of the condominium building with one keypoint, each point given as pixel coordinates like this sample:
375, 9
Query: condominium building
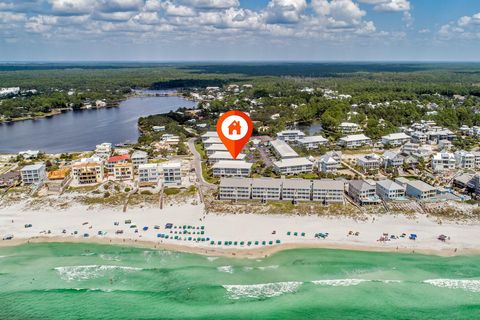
282, 149
139, 157
209, 134
390, 190
293, 166
395, 139
349, 127
312, 142
87, 171
148, 174
224, 155
210, 141
112, 161
266, 189
296, 189
123, 171
214, 148
33, 174
354, 141
290, 135
229, 168
171, 173
235, 189
328, 191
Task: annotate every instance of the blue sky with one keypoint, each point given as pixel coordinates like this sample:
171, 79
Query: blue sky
240, 30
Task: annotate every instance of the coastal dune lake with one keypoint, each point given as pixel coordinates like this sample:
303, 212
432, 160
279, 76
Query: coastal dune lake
82, 130
86, 281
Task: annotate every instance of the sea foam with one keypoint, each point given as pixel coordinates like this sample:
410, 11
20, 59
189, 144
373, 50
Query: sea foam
263, 290
468, 285
75, 273
226, 269
339, 282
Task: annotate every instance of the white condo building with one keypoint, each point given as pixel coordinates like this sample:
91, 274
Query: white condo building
354, 141
395, 139
293, 166
290, 135
235, 168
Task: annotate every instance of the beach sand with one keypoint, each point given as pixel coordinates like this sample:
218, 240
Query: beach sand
464, 236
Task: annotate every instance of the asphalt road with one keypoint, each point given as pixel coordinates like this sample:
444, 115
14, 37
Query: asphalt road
198, 164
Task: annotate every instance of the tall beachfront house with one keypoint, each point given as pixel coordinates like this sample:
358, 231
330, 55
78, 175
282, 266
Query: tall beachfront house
390, 190
33, 174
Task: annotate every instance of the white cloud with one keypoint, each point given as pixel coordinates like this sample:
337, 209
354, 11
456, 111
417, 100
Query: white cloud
72, 6
389, 5
12, 17
211, 4
340, 11
285, 11
177, 10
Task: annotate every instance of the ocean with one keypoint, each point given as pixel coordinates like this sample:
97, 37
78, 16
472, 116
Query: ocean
85, 281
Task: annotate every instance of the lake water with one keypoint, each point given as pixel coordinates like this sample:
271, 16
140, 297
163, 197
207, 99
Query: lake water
82, 130
85, 281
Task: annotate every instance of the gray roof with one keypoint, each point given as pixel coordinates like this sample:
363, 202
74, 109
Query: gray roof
235, 182
31, 167
283, 149
327, 184
297, 183
290, 162
420, 185
361, 185
266, 183
233, 164
390, 185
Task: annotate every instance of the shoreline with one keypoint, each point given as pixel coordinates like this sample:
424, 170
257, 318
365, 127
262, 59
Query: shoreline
146, 226
239, 253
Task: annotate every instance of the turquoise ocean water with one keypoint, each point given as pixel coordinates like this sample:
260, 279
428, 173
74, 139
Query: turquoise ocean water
84, 281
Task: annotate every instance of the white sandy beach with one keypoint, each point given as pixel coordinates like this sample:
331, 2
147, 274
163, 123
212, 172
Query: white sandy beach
464, 237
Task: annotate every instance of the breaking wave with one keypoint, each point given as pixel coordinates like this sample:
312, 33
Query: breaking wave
468, 285
75, 273
264, 290
226, 269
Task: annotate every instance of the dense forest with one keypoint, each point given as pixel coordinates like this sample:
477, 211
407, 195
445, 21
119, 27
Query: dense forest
399, 91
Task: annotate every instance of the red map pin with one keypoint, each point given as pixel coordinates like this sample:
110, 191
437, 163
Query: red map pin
234, 129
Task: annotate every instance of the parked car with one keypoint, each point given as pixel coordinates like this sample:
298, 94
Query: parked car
28, 225
8, 237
